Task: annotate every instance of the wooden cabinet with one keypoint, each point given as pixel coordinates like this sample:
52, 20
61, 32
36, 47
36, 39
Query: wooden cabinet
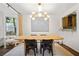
69, 22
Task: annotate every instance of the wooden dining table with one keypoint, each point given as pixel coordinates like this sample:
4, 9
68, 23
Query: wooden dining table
38, 37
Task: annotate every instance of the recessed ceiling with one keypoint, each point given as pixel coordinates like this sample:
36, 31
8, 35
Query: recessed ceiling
51, 8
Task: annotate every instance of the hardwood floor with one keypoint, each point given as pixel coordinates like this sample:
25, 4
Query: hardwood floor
75, 53
60, 50
19, 51
5, 50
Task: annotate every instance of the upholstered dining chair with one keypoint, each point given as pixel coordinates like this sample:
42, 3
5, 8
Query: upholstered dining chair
36, 41
41, 45
47, 45
33, 34
30, 44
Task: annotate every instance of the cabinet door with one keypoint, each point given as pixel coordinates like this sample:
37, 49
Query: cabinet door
73, 22
70, 22
65, 22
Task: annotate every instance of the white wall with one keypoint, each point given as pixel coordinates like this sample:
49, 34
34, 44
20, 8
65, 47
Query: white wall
71, 38
1, 28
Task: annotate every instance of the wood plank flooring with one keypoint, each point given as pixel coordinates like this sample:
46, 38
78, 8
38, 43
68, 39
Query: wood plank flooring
70, 49
5, 50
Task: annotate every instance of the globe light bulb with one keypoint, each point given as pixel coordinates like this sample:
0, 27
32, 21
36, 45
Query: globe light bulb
30, 16
33, 13
45, 13
40, 14
45, 18
33, 18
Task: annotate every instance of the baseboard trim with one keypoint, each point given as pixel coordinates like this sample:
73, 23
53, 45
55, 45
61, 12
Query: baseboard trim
74, 52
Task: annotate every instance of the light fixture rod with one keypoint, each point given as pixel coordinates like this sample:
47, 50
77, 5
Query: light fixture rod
13, 8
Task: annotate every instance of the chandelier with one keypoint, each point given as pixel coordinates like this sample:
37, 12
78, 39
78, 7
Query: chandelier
40, 13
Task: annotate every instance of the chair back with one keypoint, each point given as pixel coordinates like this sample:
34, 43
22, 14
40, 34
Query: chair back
33, 34
30, 42
47, 42
43, 35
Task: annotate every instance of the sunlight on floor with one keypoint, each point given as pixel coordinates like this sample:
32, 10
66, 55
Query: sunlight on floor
60, 51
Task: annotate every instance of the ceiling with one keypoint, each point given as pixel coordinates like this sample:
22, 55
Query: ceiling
51, 8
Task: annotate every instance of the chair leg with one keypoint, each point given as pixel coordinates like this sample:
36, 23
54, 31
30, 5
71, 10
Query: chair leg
43, 51
52, 51
34, 52
40, 50
25, 52
49, 50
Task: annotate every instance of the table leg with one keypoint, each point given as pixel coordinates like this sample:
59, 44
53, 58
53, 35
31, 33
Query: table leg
38, 45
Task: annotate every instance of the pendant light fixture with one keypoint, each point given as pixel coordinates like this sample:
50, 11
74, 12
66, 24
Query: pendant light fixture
40, 13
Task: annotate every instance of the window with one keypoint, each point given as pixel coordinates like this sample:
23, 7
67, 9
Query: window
69, 22
40, 25
10, 26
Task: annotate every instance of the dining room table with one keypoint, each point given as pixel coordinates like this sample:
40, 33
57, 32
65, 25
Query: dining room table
38, 37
